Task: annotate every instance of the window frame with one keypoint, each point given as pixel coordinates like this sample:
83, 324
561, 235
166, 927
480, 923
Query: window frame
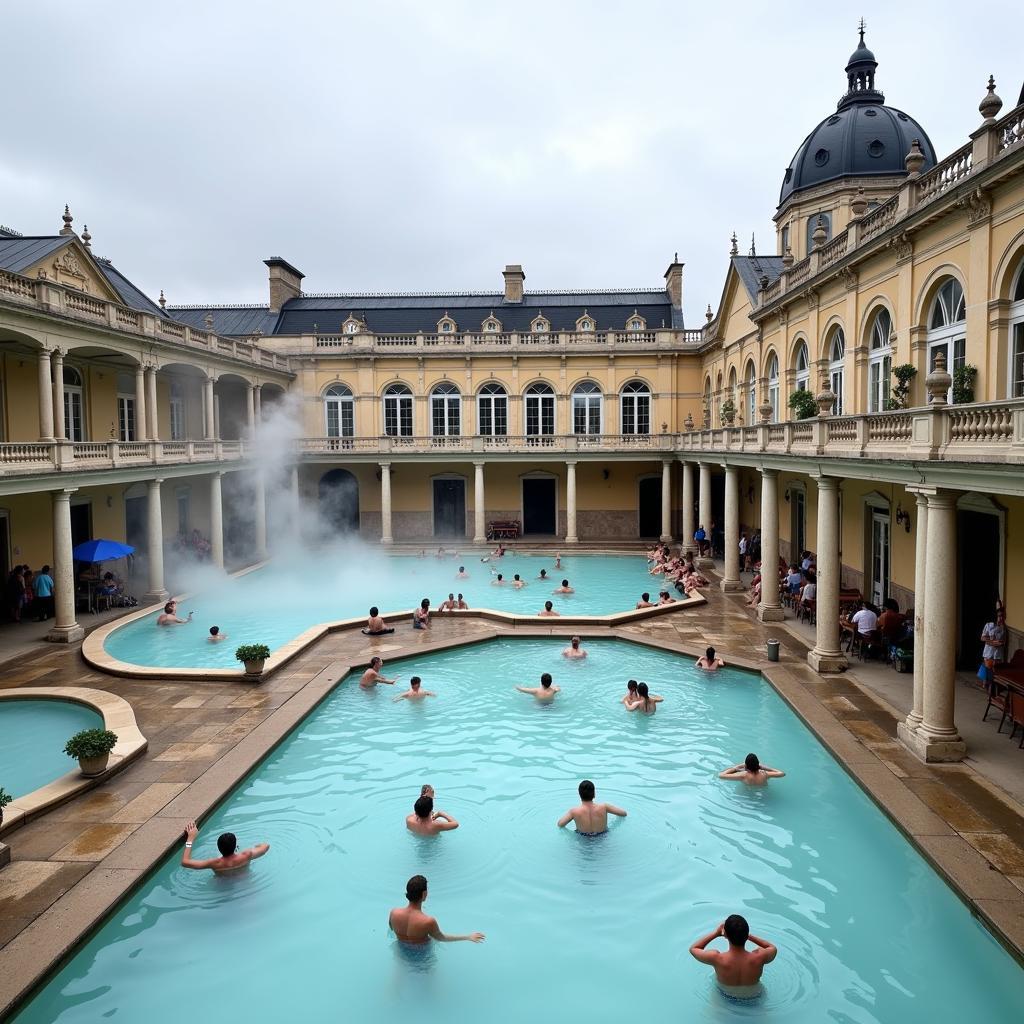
587, 404
73, 395
493, 398
1015, 373
879, 362
339, 400
837, 367
772, 376
950, 335
635, 407
539, 410
398, 407
445, 410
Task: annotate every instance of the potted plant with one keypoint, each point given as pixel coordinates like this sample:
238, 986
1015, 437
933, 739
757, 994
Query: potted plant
728, 412
963, 383
253, 656
803, 404
903, 375
92, 747
5, 799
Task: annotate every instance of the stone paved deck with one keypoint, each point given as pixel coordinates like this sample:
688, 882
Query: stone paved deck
71, 866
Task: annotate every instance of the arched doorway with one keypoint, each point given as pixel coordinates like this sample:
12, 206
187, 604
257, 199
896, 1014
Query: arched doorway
339, 500
650, 506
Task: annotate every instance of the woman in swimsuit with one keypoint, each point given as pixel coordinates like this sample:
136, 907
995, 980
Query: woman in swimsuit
647, 703
630, 695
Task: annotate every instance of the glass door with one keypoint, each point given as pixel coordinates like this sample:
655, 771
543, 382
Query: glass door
879, 557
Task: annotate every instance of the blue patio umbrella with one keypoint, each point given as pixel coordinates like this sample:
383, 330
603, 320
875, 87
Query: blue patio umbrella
101, 551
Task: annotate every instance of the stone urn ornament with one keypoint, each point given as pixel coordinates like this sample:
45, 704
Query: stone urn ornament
825, 399
938, 382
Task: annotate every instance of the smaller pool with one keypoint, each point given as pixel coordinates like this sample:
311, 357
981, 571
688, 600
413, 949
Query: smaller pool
34, 733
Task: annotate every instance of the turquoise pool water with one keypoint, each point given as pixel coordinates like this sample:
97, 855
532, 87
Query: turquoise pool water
34, 733
282, 600
577, 929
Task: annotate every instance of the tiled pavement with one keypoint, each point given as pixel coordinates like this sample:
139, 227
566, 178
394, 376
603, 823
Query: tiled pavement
102, 842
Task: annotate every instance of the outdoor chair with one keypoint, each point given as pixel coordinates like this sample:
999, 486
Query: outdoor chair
1017, 715
998, 698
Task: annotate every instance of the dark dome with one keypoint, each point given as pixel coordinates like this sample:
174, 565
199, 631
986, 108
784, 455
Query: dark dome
863, 139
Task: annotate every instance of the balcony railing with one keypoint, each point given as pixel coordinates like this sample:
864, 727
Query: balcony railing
603, 443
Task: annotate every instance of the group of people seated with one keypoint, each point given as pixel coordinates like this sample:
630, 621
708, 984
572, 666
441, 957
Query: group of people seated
872, 629
678, 570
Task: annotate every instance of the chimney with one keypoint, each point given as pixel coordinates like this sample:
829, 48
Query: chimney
285, 282
514, 280
674, 283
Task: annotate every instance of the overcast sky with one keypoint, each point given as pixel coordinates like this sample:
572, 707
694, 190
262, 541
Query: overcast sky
392, 146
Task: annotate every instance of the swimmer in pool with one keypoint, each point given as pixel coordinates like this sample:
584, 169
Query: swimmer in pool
549, 610
498, 581
564, 588
425, 821
630, 695
460, 603
558, 561
169, 616
230, 859
751, 772
216, 635
462, 574
710, 663
545, 692
375, 625
427, 790
371, 677
415, 691
646, 702
544, 575
447, 606
645, 601
737, 970
574, 650
412, 926
517, 582
591, 818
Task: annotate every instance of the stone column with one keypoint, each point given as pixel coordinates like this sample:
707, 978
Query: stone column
250, 409
913, 719
826, 656
152, 412
479, 524
216, 416
296, 500
704, 511
731, 578
45, 397
257, 397
385, 503
208, 425
139, 426
65, 628
666, 500
570, 503
688, 527
216, 522
59, 426
155, 530
260, 502
936, 738
770, 608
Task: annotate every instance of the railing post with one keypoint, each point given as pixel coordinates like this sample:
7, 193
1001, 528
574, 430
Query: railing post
113, 453
862, 433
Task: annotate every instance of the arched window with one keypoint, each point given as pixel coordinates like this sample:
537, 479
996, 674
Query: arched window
947, 329
397, 411
734, 391
836, 372
879, 361
492, 411
635, 408
445, 410
802, 365
127, 427
74, 404
750, 384
707, 403
339, 408
773, 385
540, 409
1017, 336
586, 408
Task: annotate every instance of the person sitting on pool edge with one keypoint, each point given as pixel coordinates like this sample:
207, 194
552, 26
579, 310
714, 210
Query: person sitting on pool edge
751, 772
564, 588
415, 928
415, 692
375, 624
574, 650
371, 677
425, 821
737, 970
710, 663
591, 818
230, 859
549, 610
216, 635
545, 692
421, 616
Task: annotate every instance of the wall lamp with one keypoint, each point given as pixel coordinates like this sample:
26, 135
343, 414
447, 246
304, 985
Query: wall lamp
902, 518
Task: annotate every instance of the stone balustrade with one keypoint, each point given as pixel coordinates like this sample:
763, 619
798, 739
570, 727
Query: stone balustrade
533, 443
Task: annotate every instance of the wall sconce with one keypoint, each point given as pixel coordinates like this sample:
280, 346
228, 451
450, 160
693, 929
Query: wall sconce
787, 494
902, 518
606, 473
664, 427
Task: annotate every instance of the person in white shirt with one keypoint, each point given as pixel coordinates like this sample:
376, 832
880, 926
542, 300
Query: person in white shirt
865, 620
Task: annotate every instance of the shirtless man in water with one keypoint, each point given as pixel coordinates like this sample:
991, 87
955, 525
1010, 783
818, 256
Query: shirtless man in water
230, 859
738, 970
591, 818
169, 616
415, 692
412, 926
425, 821
751, 772
545, 692
574, 650
371, 677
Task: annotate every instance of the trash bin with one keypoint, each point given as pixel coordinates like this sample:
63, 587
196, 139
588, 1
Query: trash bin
773, 650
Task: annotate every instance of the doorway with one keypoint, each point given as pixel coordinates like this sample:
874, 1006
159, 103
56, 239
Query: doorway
799, 523
339, 500
81, 523
136, 532
449, 507
650, 507
539, 505
880, 558
979, 571
5, 544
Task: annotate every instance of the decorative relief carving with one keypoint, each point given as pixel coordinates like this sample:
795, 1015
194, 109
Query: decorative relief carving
903, 246
850, 278
978, 205
813, 297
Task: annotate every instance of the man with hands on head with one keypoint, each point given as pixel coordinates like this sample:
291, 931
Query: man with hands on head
737, 970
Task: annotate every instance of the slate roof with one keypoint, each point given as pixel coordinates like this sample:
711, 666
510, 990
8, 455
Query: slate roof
407, 314
130, 295
18, 253
752, 268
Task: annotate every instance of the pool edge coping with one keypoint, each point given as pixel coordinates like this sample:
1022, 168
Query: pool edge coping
52, 938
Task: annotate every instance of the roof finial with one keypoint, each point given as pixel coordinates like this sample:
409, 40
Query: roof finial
753, 247
860, 28
735, 249
86, 238
162, 300
67, 218
991, 104
675, 258
709, 316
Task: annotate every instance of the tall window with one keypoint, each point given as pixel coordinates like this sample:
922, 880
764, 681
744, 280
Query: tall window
340, 411
177, 411
1017, 337
751, 386
586, 408
773, 385
707, 403
182, 501
802, 365
74, 404
635, 408
126, 407
397, 411
879, 361
836, 373
445, 410
492, 411
540, 409
784, 240
734, 392
947, 328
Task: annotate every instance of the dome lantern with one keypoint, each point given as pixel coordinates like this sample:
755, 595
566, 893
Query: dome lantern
860, 75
